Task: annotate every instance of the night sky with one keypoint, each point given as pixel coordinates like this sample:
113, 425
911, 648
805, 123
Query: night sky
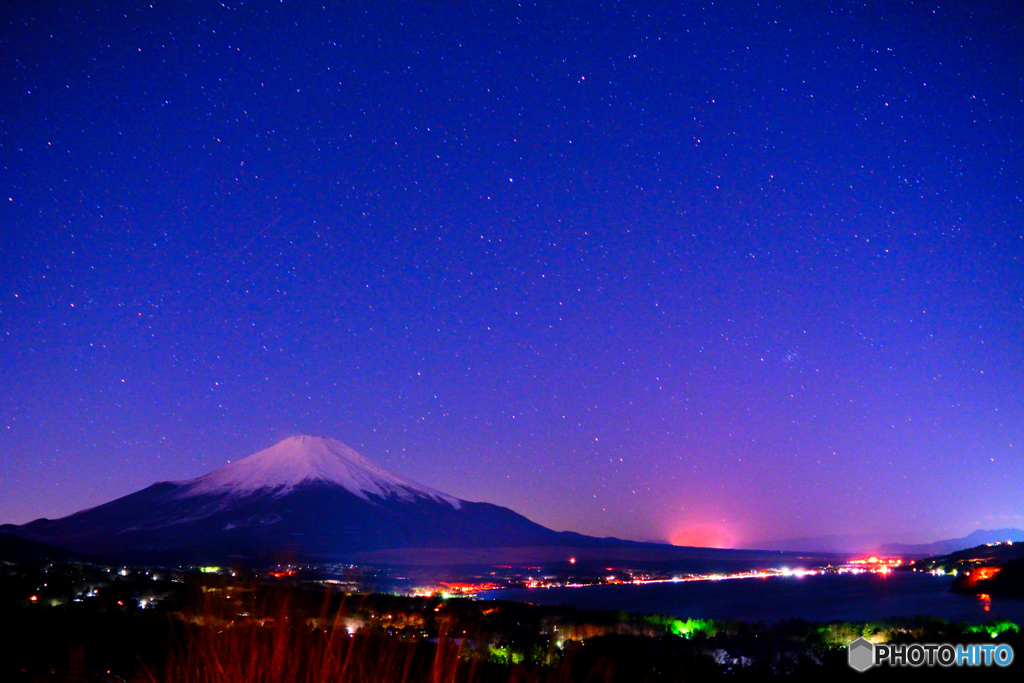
706, 272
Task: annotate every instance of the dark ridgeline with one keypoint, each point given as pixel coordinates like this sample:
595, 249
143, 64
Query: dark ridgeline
18, 549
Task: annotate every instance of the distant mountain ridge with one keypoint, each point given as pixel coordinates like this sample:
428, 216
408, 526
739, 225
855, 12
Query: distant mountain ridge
975, 538
818, 544
861, 544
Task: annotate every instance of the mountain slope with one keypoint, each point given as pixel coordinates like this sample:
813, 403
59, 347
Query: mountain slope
306, 497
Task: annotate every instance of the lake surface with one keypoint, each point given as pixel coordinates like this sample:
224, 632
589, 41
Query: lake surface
829, 597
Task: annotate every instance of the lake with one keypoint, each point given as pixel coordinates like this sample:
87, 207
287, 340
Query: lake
829, 597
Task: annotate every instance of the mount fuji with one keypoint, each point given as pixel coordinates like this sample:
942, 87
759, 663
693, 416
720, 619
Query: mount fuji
303, 498
315, 499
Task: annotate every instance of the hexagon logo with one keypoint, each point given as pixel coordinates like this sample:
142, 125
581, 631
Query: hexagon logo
861, 654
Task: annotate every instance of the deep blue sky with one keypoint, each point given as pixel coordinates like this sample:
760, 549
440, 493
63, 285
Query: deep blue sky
709, 272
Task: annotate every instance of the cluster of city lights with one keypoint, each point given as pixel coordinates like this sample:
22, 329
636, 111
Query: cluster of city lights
868, 565
890, 562
532, 583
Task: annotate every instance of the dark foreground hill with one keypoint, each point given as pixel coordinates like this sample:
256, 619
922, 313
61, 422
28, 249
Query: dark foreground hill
17, 549
995, 570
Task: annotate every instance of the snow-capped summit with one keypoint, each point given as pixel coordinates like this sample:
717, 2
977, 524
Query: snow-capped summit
300, 460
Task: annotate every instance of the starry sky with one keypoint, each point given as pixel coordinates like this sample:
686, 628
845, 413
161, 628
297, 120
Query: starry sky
708, 272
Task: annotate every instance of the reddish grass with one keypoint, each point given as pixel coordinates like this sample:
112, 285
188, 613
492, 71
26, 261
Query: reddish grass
280, 644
